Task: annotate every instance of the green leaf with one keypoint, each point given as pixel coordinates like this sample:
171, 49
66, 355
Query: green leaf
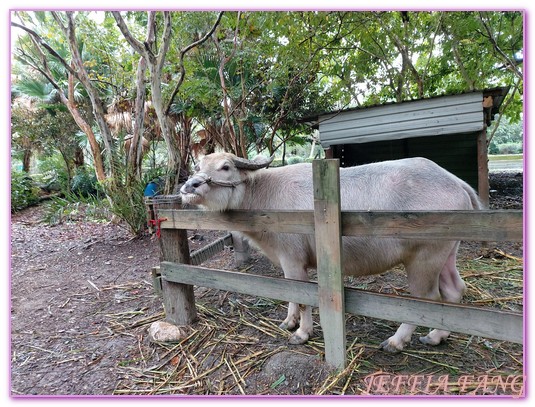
278, 382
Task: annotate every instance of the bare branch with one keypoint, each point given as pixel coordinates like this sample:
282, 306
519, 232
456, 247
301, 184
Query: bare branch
224, 60
166, 41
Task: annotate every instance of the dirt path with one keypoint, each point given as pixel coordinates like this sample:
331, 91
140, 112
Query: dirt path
68, 283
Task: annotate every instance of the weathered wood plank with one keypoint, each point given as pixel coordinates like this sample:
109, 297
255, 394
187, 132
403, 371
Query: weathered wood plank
348, 136
496, 324
419, 117
492, 225
466, 319
326, 181
381, 127
436, 225
260, 221
300, 292
422, 118
156, 280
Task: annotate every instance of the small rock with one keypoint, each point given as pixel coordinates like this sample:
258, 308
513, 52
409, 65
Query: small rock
161, 331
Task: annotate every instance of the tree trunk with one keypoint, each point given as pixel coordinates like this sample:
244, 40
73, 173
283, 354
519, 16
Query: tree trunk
96, 103
184, 139
135, 152
68, 101
79, 159
86, 128
173, 154
93, 144
155, 61
26, 160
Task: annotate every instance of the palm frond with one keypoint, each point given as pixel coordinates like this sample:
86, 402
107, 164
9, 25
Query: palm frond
32, 88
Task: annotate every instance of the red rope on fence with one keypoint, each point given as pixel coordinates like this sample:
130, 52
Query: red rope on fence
157, 224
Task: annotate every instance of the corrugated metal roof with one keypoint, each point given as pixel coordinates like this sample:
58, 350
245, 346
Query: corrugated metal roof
452, 114
498, 94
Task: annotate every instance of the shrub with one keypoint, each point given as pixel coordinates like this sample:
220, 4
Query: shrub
73, 208
53, 174
510, 148
294, 160
23, 191
493, 148
127, 202
84, 184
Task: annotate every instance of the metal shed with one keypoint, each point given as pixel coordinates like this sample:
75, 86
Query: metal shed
450, 130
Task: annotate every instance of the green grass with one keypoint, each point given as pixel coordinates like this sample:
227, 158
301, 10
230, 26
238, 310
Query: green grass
506, 157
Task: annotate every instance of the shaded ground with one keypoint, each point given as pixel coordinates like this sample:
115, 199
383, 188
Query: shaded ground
82, 301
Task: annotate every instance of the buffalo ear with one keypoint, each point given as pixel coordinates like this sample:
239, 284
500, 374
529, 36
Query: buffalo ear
256, 164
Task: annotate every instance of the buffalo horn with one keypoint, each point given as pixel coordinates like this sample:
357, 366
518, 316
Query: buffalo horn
256, 164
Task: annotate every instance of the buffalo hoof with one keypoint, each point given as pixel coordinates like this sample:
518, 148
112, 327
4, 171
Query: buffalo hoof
391, 347
287, 326
426, 340
298, 339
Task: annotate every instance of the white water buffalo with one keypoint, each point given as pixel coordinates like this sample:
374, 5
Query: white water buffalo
223, 182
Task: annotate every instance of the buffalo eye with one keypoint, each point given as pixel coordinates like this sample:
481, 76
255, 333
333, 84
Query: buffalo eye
226, 167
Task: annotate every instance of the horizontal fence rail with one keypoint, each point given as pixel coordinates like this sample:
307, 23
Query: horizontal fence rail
496, 324
489, 225
210, 250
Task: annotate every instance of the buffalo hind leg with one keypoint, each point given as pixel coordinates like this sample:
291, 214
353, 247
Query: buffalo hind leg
423, 277
451, 288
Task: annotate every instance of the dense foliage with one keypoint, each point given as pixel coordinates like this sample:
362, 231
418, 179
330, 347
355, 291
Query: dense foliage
176, 84
23, 191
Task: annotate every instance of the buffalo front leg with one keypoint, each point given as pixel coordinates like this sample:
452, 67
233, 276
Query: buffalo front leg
397, 342
292, 320
298, 315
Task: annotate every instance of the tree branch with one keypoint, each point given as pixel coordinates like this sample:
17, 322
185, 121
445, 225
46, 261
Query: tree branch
509, 63
503, 108
166, 41
138, 46
50, 50
28, 60
182, 69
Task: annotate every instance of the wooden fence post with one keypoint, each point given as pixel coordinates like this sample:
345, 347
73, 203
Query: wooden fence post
328, 234
483, 167
178, 299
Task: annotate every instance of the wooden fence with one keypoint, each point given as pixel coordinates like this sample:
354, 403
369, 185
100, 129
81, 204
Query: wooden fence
329, 224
